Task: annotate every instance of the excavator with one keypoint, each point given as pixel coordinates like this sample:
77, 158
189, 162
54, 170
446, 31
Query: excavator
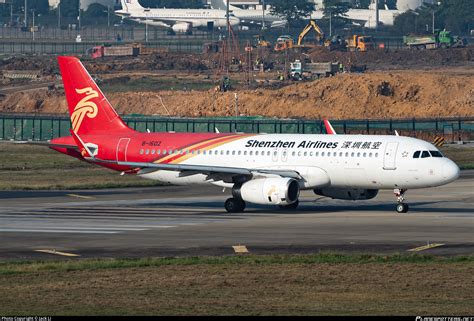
286, 42
320, 38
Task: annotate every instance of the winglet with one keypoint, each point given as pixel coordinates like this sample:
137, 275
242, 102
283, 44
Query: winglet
329, 129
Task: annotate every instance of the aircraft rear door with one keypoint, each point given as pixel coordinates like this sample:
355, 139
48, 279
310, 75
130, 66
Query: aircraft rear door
122, 147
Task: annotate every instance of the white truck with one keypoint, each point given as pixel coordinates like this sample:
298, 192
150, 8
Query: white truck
312, 70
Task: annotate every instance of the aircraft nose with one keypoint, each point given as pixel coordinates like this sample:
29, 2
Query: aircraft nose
450, 171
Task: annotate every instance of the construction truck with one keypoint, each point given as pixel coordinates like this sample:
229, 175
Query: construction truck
312, 70
440, 39
134, 50
284, 42
360, 43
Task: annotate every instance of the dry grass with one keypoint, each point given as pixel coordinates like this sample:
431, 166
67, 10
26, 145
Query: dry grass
258, 287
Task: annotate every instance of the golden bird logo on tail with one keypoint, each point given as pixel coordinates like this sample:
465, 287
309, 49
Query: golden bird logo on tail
84, 107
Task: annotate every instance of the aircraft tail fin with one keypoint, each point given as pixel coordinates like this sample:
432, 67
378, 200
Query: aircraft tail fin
89, 110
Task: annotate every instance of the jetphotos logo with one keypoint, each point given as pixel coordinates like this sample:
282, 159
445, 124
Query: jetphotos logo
84, 107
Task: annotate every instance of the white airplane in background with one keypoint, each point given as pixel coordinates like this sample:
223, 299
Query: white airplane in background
250, 17
365, 17
179, 20
268, 169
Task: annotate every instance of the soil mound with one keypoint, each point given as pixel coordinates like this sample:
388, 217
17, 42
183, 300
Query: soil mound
345, 96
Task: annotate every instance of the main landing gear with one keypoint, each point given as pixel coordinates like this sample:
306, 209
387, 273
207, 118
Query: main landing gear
234, 205
401, 207
291, 206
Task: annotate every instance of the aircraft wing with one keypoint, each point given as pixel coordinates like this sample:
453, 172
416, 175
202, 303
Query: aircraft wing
204, 169
221, 172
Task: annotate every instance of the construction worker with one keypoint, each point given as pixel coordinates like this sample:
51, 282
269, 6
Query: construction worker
341, 67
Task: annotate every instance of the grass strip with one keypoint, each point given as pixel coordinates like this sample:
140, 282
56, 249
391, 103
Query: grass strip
25, 267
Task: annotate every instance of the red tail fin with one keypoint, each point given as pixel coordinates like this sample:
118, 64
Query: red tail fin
90, 111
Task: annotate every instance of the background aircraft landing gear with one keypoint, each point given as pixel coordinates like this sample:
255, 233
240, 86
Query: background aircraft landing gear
234, 205
401, 207
291, 206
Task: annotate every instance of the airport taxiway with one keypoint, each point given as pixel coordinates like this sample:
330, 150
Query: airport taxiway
171, 220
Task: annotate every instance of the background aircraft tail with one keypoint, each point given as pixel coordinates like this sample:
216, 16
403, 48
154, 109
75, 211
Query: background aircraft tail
128, 5
221, 5
90, 111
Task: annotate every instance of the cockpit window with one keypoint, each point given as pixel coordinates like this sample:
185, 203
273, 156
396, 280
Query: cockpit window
425, 154
417, 154
435, 153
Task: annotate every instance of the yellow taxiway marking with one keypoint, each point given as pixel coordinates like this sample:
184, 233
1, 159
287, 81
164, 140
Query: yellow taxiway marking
57, 252
240, 249
425, 247
79, 196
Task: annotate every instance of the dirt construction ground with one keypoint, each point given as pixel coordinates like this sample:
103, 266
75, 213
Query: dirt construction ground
398, 84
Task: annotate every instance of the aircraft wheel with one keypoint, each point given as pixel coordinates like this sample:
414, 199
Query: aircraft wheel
234, 205
291, 206
402, 208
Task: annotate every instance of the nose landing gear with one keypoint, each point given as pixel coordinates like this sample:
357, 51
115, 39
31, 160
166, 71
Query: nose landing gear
401, 206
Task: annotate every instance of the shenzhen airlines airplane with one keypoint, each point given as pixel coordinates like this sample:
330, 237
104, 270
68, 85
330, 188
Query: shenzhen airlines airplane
268, 169
180, 20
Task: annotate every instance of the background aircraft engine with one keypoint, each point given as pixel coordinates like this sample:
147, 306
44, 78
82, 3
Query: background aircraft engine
278, 191
348, 194
181, 27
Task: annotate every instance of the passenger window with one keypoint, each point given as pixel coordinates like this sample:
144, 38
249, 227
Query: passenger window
153, 152
417, 154
358, 154
316, 154
199, 152
170, 152
299, 153
376, 154
340, 154
293, 153
347, 154
370, 154
256, 153
227, 152
305, 153
435, 153
322, 154
233, 152
352, 154
245, 153
364, 155
147, 152
310, 153
141, 151
158, 152
250, 153
240, 152
425, 154
222, 152
268, 153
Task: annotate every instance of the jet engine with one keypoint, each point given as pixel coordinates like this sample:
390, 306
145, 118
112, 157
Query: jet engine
181, 27
347, 194
277, 191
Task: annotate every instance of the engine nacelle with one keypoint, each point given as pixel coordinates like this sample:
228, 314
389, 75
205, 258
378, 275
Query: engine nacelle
348, 193
181, 27
277, 191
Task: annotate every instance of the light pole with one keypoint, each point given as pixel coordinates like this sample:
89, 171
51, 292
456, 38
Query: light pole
433, 21
26, 13
59, 15
33, 26
263, 14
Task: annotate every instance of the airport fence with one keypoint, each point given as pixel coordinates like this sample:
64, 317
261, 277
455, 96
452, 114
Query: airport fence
45, 127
